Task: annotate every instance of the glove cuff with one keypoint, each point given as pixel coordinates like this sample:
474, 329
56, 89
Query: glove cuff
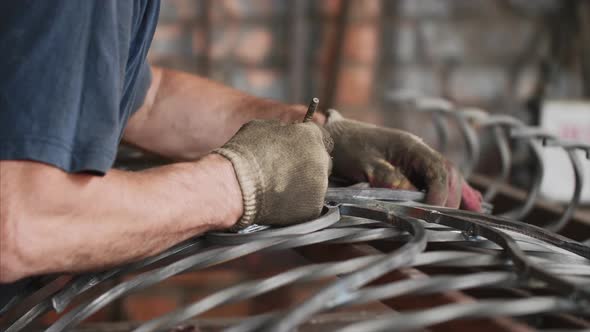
335, 123
249, 180
332, 116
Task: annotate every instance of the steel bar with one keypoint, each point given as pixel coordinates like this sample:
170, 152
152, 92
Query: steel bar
498, 124
425, 318
203, 259
560, 223
401, 257
453, 251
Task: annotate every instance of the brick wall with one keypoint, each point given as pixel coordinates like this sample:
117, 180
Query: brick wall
476, 52
483, 53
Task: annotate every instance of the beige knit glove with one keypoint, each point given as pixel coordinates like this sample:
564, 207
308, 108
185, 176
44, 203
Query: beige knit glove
282, 169
392, 158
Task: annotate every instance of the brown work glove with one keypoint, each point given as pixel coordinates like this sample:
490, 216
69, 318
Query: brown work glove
282, 169
390, 158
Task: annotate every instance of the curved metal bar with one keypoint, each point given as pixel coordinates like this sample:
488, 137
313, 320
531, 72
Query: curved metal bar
254, 288
306, 273
204, 259
421, 286
400, 257
437, 106
24, 320
406, 96
523, 265
472, 144
366, 221
501, 120
336, 194
85, 282
348, 221
27, 289
440, 107
574, 146
529, 230
541, 259
532, 132
330, 216
406, 287
448, 235
434, 104
489, 220
323, 236
491, 308
497, 123
548, 138
428, 285
527, 244
535, 188
365, 235
559, 224
442, 129
399, 288
345, 194
60, 299
493, 221
474, 114
312, 272
253, 323
505, 163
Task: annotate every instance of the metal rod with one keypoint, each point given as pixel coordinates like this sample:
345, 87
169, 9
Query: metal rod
311, 109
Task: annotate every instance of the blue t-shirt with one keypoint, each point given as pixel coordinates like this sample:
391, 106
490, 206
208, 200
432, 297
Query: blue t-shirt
71, 74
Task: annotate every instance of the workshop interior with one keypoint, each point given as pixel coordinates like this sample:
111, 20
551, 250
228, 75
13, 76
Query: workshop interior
501, 88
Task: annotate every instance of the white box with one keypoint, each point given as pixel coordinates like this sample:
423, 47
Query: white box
568, 120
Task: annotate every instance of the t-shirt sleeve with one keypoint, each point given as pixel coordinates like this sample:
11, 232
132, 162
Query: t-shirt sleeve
62, 80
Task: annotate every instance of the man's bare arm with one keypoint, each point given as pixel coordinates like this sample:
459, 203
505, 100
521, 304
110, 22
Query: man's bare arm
52, 221
185, 116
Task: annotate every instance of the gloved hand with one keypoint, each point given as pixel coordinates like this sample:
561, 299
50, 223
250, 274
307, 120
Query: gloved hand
396, 159
282, 169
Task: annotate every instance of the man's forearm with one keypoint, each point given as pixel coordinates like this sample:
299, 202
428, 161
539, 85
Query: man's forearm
185, 116
62, 222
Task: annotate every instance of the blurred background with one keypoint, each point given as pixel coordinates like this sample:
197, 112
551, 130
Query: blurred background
501, 55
